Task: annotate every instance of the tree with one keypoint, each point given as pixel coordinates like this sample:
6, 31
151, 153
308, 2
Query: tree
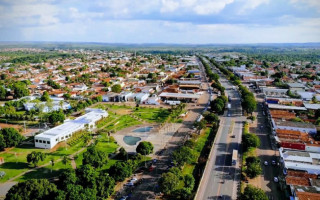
116, 88
94, 157
168, 182
182, 155
249, 104
20, 89
105, 185
35, 157
145, 148
120, 170
67, 177
2, 143
65, 159
11, 137
3, 93
79, 192
36, 189
250, 140
87, 176
253, 193
253, 166
200, 125
122, 155
211, 117
55, 117
45, 96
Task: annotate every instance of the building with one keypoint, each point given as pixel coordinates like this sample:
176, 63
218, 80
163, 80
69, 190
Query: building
296, 87
294, 126
49, 138
179, 96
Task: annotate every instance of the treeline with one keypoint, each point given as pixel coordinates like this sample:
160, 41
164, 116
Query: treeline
39, 58
173, 183
249, 103
90, 181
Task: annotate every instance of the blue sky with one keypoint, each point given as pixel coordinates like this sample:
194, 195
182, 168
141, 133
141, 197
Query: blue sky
161, 21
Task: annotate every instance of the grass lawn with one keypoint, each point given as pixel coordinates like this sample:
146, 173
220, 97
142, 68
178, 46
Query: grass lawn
123, 122
152, 114
16, 158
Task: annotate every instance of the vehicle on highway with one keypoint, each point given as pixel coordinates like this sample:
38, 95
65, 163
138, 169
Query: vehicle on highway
266, 163
234, 156
275, 179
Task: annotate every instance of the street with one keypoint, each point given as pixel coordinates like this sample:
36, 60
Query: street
221, 179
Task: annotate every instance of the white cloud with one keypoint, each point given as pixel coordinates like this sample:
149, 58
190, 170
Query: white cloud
310, 3
169, 6
250, 5
211, 7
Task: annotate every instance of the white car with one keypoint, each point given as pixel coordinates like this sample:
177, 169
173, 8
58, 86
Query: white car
129, 184
133, 180
275, 179
266, 163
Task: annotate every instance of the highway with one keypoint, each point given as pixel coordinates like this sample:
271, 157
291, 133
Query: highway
221, 179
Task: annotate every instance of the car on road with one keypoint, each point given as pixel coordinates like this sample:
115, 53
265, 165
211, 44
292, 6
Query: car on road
133, 180
266, 163
275, 179
129, 184
273, 162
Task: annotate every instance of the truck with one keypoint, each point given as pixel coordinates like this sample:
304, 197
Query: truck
234, 156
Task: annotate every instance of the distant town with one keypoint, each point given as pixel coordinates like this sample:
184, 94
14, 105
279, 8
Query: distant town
196, 123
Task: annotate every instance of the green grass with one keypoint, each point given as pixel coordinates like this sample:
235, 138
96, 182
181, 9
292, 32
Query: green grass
123, 122
16, 158
152, 115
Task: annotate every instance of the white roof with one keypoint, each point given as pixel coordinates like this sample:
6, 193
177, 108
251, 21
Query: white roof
180, 95
312, 106
311, 169
73, 125
283, 107
192, 82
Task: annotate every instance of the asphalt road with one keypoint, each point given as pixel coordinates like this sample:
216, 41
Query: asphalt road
221, 179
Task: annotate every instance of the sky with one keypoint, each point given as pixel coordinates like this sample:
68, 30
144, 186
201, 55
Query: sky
161, 21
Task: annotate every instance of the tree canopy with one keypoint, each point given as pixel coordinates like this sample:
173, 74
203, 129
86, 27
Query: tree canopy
253, 193
9, 137
145, 148
36, 189
116, 88
34, 157
94, 157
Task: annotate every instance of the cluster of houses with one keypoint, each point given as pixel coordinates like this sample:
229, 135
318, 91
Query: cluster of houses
144, 79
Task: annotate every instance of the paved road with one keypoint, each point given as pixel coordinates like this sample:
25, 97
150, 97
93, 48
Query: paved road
220, 178
266, 152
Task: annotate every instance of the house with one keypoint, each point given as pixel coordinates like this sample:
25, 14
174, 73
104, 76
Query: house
141, 97
294, 126
155, 100
296, 87
274, 92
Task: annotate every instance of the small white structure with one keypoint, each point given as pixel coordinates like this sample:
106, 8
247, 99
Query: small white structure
49, 138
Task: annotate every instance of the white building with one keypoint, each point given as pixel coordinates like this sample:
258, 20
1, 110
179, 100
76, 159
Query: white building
50, 138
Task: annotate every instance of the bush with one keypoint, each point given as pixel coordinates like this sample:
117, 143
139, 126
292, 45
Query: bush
145, 148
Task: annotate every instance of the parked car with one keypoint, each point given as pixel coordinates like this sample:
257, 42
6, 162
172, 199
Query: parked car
273, 162
275, 179
124, 198
129, 184
266, 163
